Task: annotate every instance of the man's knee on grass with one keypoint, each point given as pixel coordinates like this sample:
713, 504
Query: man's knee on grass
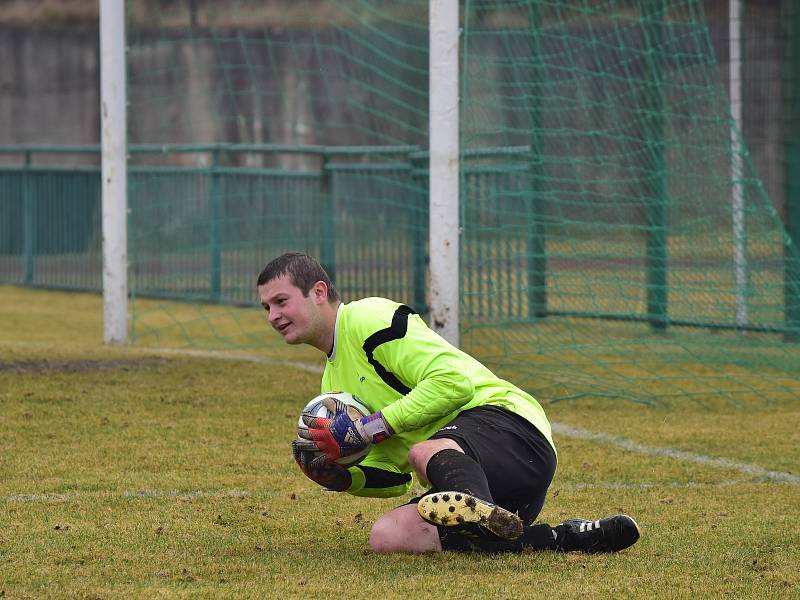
402, 530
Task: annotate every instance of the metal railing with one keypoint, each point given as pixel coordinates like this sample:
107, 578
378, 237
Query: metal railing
204, 218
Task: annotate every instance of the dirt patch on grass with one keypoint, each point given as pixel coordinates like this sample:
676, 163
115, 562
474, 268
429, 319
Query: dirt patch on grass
78, 366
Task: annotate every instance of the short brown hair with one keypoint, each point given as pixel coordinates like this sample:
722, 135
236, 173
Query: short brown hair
302, 269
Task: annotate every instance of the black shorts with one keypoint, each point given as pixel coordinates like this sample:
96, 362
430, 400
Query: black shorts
518, 460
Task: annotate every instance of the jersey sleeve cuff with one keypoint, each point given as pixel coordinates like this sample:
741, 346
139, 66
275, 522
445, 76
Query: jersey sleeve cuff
357, 480
390, 418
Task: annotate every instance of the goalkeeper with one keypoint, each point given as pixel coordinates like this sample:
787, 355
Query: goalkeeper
482, 445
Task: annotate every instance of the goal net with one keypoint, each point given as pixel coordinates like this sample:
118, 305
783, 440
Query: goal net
617, 240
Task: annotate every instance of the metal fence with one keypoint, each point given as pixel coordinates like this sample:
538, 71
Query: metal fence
201, 227
203, 220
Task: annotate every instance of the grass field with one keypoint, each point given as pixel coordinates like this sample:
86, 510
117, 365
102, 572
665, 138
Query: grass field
137, 472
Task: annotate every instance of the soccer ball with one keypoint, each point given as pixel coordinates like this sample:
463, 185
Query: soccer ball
355, 410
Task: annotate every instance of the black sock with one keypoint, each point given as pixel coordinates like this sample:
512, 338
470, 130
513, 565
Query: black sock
452, 471
534, 537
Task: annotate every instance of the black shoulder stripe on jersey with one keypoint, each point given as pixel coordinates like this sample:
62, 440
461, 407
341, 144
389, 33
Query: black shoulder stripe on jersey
395, 331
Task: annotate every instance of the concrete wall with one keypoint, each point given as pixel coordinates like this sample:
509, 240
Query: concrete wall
294, 87
49, 87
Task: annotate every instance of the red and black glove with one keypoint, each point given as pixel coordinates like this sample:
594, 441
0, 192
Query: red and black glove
314, 466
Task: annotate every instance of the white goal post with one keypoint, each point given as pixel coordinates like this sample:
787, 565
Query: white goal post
444, 168
736, 44
114, 171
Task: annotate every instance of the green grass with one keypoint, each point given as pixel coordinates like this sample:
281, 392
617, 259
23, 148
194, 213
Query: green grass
132, 472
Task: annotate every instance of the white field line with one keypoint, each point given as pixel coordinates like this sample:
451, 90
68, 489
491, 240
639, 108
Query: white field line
674, 453
238, 493
558, 428
255, 358
134, 494
565, 430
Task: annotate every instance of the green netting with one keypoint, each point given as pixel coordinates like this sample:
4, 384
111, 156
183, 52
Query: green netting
598, 251
599, 255
626, 245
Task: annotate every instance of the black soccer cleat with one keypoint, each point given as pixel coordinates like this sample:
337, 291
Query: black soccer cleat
611, 534
463, 511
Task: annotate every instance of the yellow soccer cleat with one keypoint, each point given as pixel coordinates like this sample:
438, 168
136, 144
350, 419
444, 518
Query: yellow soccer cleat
457, 509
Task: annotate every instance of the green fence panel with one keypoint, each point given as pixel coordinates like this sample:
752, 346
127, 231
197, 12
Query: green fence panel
202, 233
50, 234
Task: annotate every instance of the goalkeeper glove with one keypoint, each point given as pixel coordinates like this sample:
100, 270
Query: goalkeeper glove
342, 435
329, 475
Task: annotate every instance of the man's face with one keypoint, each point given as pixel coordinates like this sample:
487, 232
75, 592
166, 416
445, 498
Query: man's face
295, 317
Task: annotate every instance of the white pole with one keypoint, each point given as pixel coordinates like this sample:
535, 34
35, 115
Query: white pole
114, 171
739, 233
444, 168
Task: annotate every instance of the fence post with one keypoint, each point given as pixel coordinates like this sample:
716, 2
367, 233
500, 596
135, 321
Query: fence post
656, 252
419, 235
536, 244
28, 228
214, 234
736, 46
327, 238
791, 261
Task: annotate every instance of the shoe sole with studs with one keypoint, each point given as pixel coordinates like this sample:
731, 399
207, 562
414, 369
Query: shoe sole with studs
452, 509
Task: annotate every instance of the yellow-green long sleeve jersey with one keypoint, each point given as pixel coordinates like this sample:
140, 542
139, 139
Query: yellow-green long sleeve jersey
387, 356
